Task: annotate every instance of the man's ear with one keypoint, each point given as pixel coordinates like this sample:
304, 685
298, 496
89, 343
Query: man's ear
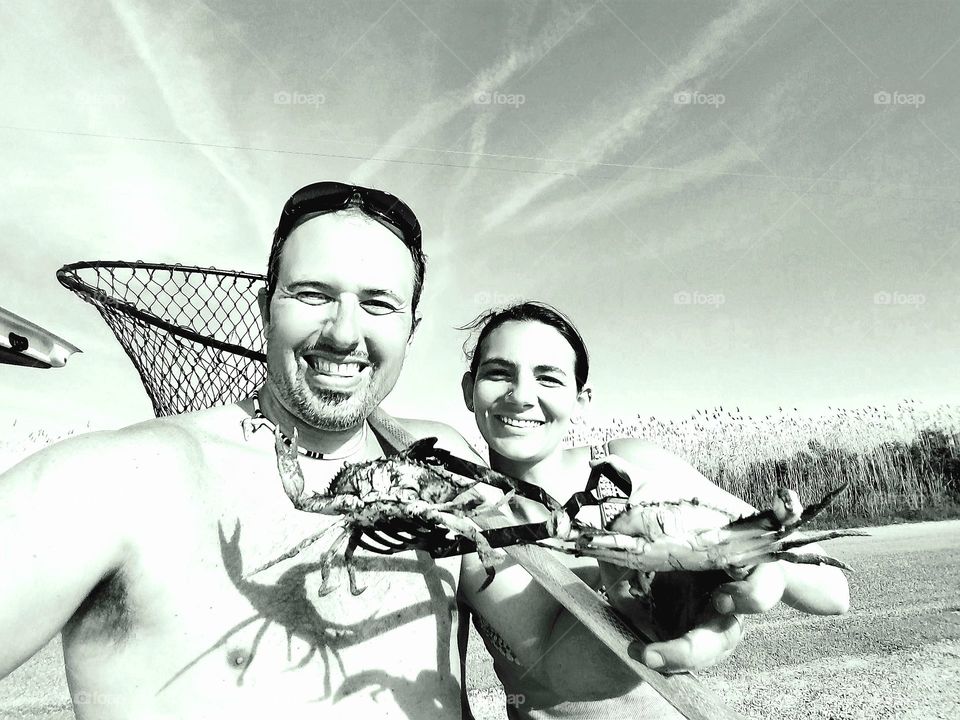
466, 385
413, 328
263, 302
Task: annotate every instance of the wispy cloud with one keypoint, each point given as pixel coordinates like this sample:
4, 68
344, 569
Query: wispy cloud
191, 105
704, 57
719, 157
435, 115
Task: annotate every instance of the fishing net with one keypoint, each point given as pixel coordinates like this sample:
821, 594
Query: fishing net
193, 334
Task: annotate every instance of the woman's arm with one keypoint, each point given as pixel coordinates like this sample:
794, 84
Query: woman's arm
659, 475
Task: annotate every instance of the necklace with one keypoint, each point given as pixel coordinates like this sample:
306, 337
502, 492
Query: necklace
260, 420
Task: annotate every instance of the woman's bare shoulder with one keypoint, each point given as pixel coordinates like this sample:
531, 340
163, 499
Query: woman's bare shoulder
630, 448
447, 437
627, 447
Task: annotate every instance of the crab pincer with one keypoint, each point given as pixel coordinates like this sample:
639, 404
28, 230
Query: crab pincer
690, 535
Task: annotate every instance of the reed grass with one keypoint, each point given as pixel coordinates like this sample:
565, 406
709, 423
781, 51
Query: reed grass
899, 463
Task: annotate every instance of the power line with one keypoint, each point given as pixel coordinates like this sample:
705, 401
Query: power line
253, 148
493, 156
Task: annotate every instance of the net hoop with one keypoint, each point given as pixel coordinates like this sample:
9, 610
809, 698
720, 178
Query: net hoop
193, 334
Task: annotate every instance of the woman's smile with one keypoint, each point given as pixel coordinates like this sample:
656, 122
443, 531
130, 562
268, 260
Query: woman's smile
517, 423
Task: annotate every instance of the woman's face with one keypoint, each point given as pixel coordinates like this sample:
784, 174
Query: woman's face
525, 392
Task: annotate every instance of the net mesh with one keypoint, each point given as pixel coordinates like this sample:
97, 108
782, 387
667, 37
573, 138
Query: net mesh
193, 334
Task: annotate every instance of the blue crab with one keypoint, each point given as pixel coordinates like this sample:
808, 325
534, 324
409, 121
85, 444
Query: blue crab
422, 498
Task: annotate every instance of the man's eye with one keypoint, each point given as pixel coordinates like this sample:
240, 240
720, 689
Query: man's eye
379, 307
312, 297
496, 375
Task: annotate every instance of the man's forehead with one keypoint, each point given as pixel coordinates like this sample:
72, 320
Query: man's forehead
341, 248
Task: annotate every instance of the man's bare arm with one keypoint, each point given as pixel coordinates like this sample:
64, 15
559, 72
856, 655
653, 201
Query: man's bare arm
60, 534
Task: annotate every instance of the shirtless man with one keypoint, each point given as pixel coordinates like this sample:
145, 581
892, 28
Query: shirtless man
139, 544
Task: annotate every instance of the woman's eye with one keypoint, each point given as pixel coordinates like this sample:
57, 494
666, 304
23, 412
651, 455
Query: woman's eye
550, 380
496, 375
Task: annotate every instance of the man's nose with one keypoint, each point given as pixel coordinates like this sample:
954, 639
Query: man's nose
342, 330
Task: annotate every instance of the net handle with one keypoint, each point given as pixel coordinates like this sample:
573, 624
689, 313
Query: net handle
70, 280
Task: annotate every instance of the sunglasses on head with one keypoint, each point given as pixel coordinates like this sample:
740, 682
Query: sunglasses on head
325, 197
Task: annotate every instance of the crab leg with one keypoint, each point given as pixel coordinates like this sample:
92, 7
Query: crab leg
305, 543
762, 537
667, 553
425, 450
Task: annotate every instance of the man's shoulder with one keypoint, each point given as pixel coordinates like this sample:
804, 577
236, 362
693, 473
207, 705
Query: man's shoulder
158, 441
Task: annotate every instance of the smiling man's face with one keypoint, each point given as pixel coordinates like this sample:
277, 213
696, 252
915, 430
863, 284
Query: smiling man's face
340, 319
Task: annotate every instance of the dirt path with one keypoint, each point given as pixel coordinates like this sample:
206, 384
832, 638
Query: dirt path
895, 655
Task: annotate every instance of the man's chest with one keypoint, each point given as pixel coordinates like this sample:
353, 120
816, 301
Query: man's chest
216, 545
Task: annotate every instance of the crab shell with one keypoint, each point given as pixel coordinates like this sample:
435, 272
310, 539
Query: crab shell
398, 480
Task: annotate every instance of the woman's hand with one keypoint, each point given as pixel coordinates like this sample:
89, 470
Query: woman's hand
699, 611
704, 621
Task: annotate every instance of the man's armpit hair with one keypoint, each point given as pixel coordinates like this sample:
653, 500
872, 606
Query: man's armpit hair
105, 613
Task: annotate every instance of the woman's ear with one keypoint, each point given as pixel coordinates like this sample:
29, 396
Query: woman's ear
583, 403
466, 385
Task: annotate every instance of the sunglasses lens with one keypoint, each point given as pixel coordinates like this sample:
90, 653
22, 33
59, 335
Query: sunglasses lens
319, 197
397, 212
327, 196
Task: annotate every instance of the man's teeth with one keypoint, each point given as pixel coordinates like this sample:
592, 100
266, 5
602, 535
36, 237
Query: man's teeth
332, 368
516, 422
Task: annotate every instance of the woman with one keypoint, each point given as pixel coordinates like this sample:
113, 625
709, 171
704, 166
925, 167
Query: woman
526, 384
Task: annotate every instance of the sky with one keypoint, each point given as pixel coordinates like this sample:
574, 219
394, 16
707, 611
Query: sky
739, 204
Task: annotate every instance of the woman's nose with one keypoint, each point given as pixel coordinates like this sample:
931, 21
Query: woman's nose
522, 392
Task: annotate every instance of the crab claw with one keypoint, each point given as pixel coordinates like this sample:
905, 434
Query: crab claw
289, 466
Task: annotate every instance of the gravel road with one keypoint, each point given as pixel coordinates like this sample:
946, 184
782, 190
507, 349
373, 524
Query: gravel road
895, 655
